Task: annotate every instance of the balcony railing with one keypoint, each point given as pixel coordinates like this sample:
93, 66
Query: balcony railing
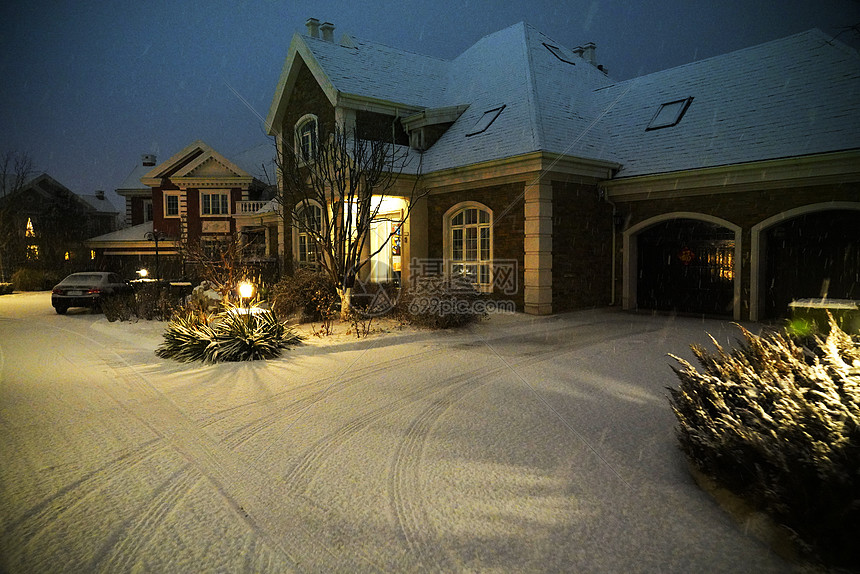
249, 207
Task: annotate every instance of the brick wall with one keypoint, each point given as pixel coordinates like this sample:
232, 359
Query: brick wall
581, 241
508, 230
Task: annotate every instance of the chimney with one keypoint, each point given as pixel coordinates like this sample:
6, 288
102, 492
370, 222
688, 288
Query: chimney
589, 53
327, 31
100, 194
148, 159
313, 27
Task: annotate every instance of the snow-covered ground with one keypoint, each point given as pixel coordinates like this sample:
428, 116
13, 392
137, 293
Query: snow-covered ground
523, 444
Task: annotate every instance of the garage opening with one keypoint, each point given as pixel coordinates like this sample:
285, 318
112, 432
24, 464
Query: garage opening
686, 266
812, 255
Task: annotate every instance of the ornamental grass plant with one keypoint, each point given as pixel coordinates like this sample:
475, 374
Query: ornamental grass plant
778, 424
235, 334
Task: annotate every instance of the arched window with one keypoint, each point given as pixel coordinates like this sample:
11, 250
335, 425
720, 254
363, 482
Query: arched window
307, 133
470, 243
308, 223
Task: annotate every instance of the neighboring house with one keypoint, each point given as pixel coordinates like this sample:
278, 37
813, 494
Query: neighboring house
43, 225
727, 186
195, 197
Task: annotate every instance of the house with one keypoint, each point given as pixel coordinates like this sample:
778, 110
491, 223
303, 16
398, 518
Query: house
44, 225
196, 197
725, 187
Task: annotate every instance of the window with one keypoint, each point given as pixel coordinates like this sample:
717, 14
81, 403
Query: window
669, 114
213, 247
29, 231
32, 252
556, 51
214, 203
485, 121
308, 222
171, 205
306, 138
470, 237
147, 210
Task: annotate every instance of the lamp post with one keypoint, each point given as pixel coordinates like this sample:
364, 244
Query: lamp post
156, 236
246, 291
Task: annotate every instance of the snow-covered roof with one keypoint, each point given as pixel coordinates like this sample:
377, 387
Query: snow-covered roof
100, 203
364, 68
132, 180
791, 97
134, 233
525, 92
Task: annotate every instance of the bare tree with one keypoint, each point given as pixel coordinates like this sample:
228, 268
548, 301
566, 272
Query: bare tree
332, 191
16, 169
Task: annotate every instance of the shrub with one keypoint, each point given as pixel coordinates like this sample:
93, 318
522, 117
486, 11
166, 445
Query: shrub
309, 294
154, 301
6, 288
150, 301
120, 307
29, 280
441, 303
227, 336
781, 427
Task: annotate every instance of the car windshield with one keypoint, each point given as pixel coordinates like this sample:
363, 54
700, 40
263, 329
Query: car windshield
82, 278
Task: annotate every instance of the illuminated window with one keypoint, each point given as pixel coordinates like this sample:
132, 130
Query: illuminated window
67, 256
92, 253
485, 121
214, 203
32, 252
30, 232
308, 223
470, 240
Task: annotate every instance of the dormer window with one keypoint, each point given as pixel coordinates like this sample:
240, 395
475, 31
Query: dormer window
669, 114
485, 121
556, 51
307, 134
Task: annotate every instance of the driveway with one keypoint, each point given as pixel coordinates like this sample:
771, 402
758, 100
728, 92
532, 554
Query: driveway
524, 444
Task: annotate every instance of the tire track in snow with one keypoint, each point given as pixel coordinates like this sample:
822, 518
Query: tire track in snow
30, 526
124, 546
295, 406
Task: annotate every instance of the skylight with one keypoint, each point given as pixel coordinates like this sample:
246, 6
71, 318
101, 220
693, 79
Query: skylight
488, 118
669, 114
556, 51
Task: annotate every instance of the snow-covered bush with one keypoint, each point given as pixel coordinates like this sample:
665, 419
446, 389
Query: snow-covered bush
308, 293
780, 426
441, 302
6, 288
232, 335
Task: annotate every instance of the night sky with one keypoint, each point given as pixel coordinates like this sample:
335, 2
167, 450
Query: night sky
87, 87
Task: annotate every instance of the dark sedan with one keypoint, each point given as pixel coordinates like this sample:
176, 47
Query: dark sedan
87, 290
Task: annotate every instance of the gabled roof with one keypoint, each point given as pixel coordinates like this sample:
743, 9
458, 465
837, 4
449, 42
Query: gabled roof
195, 160
48, 188
523, 92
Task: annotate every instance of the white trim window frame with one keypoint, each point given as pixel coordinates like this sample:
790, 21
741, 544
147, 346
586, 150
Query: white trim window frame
304, 249
469, 242
306, 138
171, 204
214, 202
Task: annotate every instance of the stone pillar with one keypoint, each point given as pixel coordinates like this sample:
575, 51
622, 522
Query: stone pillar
538, 248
